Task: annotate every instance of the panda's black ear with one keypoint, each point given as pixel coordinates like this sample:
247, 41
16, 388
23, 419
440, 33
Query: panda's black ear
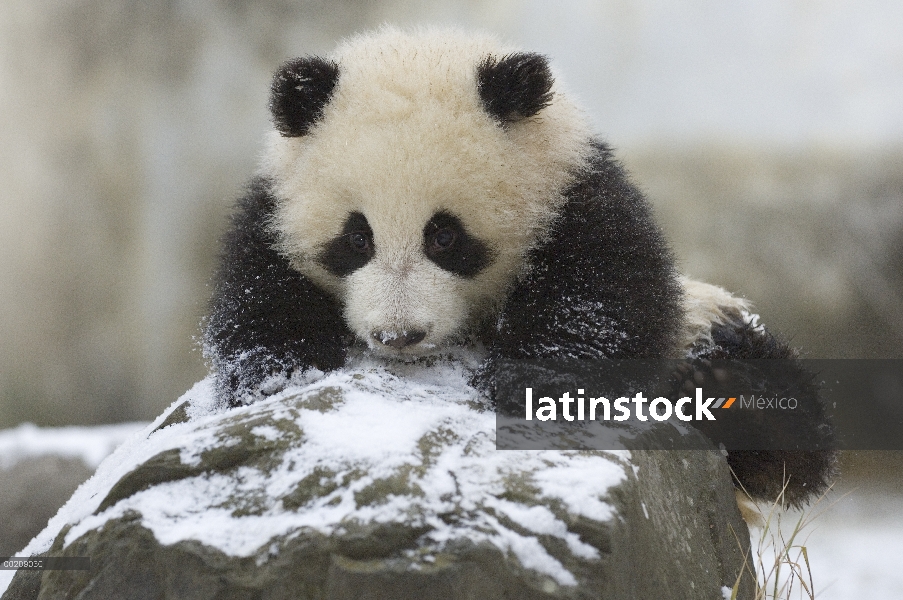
300, 90
514, 87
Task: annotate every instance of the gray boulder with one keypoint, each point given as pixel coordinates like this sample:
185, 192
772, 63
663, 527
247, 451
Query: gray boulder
363, 484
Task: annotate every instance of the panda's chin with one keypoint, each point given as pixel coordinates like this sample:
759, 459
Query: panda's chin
401, 357
462, 350
389, 346
414, 351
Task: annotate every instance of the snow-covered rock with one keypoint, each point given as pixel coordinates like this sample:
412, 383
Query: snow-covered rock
369, 483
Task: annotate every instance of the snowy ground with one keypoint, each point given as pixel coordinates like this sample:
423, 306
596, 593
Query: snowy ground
853, 539
90, 444
854, 547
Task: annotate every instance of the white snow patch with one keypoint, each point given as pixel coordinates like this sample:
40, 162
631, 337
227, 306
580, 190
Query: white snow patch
753, 320
90, 444
267, 432
541, 520
531, 554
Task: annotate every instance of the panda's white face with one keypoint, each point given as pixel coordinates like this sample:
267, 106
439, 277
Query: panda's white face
407, 200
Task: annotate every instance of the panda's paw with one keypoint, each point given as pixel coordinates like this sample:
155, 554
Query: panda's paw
783, 456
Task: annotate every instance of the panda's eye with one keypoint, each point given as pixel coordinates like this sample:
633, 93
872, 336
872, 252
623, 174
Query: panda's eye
443, 239
450, 246
359, 241
349, 250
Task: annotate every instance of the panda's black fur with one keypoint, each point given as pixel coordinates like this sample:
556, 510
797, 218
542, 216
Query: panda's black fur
300, 90
600, 280
515, 86
602, 286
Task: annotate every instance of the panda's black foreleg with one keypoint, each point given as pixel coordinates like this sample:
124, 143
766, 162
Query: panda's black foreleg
775, 452
266, 320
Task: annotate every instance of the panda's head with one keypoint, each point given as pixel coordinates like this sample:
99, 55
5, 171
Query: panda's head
413, 172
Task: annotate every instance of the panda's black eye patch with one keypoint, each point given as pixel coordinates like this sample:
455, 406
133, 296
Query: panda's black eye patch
351, 249
451, 247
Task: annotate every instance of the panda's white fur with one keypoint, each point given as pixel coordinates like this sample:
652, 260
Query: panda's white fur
706, 305
404, 135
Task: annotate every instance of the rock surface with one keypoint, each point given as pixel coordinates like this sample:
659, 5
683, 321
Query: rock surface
363, 484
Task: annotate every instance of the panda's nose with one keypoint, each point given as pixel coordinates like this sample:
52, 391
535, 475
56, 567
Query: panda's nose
399, 339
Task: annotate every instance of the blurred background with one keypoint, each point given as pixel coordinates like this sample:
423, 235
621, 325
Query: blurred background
768, 134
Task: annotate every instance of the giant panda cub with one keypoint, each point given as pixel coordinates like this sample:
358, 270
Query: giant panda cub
432, 189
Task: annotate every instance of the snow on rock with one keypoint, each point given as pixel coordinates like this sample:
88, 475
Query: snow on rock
366, 478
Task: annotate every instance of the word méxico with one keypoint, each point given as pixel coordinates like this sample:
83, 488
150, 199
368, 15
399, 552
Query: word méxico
660, 409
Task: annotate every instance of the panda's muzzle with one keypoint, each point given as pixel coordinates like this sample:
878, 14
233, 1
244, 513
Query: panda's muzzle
398, 339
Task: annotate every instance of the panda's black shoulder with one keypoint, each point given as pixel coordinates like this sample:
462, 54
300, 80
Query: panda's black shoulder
601, 283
